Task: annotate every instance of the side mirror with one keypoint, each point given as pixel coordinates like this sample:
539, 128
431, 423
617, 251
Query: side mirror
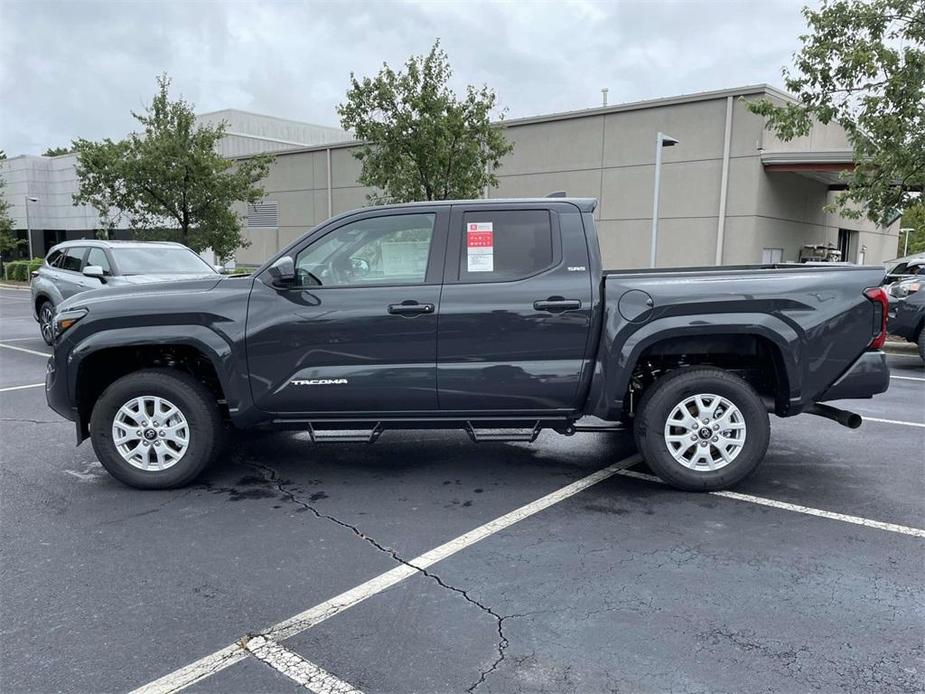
95, 271
282, 271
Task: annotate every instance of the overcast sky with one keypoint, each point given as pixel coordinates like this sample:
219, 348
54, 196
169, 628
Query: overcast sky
76, 69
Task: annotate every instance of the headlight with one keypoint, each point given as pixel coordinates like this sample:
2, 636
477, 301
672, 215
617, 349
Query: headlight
903, 289
67, 318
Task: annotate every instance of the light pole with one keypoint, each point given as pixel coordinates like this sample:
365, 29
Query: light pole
907, 231
29, 199
661, 140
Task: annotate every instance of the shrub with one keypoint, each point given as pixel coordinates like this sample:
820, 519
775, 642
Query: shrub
20, 270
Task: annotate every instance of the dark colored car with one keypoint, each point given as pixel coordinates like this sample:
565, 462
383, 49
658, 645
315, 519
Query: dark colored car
73, 267
494, 316
907, 312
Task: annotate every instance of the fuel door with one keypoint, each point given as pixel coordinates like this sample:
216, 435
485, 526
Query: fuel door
636, 306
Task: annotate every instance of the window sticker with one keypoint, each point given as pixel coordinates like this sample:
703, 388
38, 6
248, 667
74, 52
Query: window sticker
480, 247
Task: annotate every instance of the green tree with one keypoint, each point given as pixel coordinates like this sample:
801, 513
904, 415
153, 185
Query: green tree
167, 181
57, 151
913, 218
421, 142
8, 239
862, 65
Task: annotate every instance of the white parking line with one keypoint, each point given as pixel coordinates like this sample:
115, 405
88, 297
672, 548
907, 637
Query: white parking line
215, 662
907, 378
892, 421
797, 508
296, 668
31, 385
27, 351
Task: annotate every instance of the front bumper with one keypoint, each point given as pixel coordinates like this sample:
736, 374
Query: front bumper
866, 377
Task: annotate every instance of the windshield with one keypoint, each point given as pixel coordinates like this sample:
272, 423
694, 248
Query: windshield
159, 260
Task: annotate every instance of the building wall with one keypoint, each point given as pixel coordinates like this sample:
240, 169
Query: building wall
606, 153
609, 154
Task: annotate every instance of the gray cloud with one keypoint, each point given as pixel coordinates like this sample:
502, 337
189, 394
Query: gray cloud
76, 69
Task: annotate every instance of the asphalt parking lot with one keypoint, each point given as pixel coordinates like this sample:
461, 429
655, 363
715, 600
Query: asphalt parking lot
352, 567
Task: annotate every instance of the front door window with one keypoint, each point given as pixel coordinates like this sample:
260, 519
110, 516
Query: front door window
391, 250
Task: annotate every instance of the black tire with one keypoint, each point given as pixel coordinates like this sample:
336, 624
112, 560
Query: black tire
46, 314
195, 402
669, 391
921, 343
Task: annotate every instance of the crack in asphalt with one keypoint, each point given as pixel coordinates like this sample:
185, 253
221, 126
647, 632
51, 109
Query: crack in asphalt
273, 478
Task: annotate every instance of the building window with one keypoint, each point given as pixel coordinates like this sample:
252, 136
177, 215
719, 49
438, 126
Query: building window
772, 256
263, 215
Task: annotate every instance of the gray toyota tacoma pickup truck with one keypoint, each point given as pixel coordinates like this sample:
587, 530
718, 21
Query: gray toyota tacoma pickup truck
494, 316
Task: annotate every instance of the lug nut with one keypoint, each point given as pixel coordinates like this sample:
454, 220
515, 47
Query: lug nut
157, 443
706, 420
716, 438
703, 443
696, 426
162, 433
147, 443
138, 432
716, 427
693, 437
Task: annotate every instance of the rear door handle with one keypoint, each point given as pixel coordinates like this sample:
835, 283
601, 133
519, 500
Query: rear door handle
556, 303
410, 308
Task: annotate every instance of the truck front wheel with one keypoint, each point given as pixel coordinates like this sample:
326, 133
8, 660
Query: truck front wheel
156, 429
702, 428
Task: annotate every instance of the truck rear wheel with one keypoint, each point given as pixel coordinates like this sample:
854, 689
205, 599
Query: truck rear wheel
702, 428
156, 429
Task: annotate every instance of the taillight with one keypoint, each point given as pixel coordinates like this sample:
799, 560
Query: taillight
881, 302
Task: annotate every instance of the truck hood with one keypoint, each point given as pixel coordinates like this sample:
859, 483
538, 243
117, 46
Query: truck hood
144, 285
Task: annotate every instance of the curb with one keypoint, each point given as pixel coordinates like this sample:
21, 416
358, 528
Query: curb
17, 287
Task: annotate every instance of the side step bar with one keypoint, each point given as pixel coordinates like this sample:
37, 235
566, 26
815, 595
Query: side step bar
345, 435
487, 435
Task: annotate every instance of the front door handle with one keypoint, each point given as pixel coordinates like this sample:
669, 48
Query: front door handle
556, 303
410, 308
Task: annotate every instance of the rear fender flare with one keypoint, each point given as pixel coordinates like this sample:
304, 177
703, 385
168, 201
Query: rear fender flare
618, 367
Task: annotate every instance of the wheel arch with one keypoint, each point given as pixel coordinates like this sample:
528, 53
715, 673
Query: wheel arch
703, 338
104, 357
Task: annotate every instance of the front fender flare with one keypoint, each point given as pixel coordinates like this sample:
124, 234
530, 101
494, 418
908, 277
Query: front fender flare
231, 374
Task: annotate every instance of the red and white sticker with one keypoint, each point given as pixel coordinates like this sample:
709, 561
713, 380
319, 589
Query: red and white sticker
480, 247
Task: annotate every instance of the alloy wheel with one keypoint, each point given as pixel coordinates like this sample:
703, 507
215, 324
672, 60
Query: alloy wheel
150, 433
705, 432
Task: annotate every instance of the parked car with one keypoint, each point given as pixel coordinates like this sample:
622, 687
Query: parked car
73, 267
907, 312
494, 316
905, 268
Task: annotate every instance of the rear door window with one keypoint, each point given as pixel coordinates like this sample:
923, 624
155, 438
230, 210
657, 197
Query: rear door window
500, 246
54, 258
73, 259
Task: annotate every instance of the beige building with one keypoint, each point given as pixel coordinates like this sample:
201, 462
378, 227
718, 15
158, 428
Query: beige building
731, 192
